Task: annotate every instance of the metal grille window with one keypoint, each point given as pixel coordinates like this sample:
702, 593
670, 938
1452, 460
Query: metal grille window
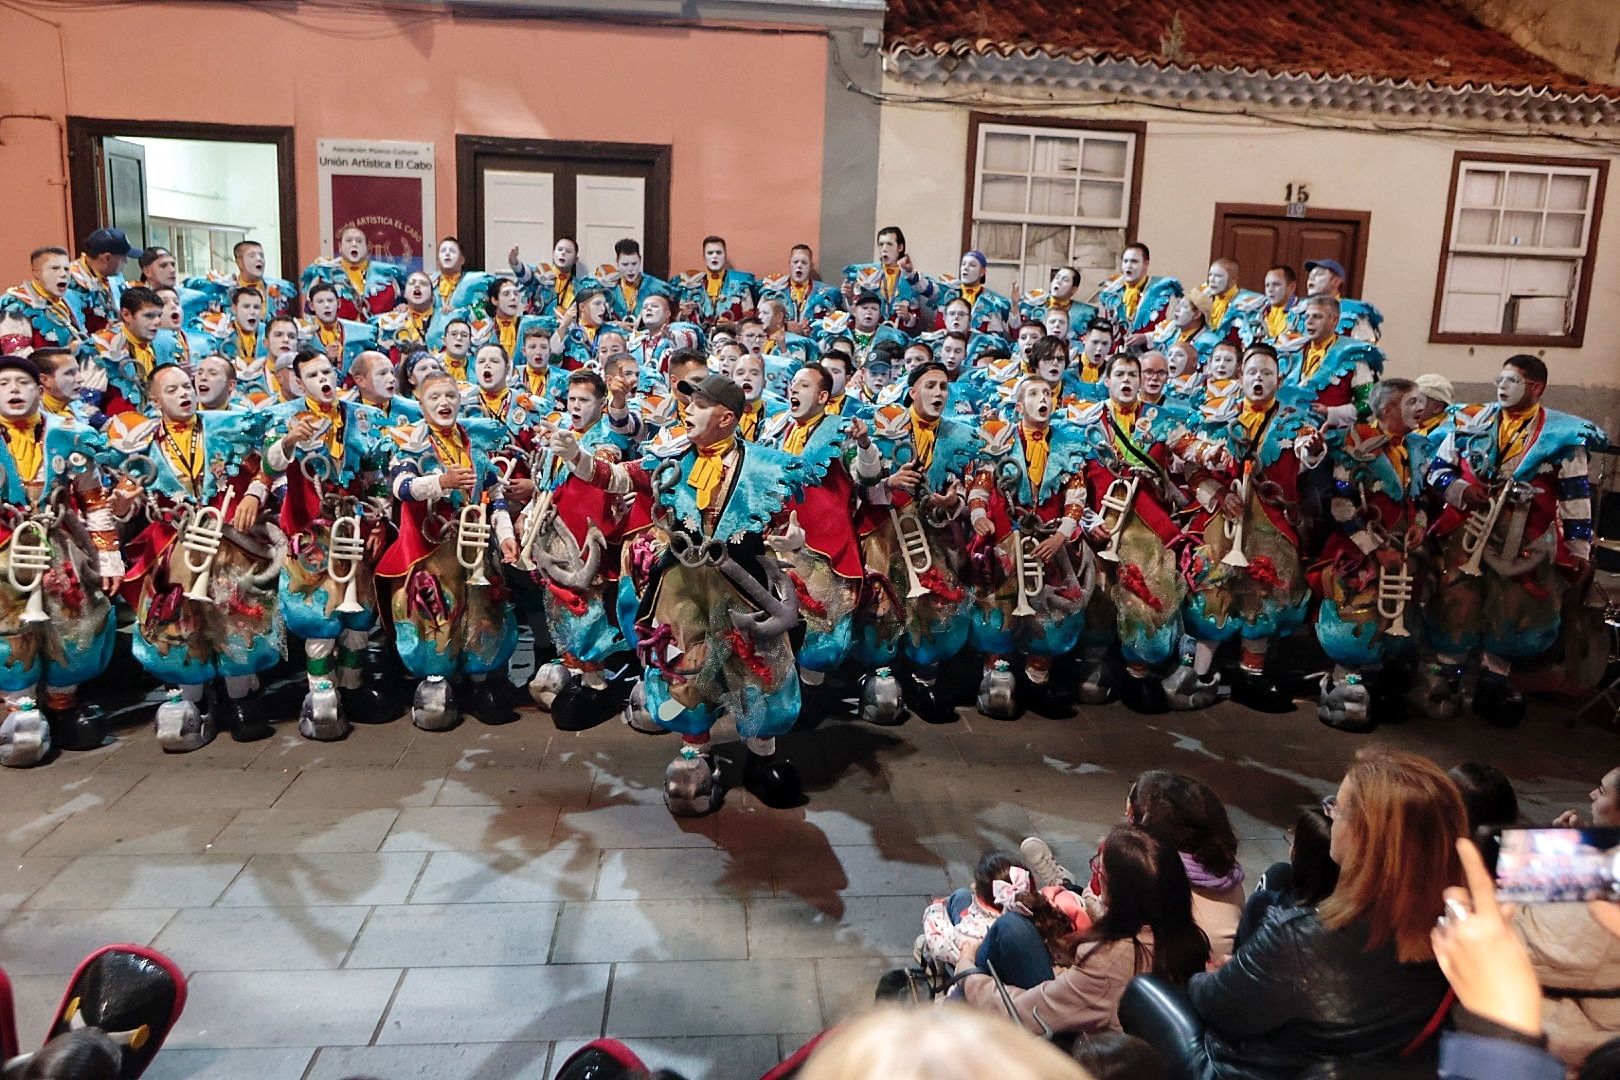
1045, 197
1519, 239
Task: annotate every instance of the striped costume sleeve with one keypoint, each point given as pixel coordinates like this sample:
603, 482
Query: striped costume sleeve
1575, 504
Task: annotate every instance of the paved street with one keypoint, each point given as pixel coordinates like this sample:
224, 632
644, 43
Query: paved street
474, 903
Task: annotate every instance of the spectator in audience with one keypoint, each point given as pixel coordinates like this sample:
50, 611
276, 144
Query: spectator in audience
1114, 1055
1185, 815
948, 1043
1305, 880
1605, 805
1487, 794
1354, 977
1147, 926
967, 912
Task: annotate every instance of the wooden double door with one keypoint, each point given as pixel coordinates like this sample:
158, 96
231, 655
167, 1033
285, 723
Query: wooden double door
1260, 237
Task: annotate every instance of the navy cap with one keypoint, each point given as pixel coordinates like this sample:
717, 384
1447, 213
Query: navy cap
867, 296
111, 242
1330, 265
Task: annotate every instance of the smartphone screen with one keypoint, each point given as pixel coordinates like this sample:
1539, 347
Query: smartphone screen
1551, 866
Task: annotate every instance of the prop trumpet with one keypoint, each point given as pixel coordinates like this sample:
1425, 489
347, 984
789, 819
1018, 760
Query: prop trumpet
1394, 591
200, 537
29, 551
1234, 529
1115, 508
1478, 528
344, 552
1027, 566
539, 509
472, 541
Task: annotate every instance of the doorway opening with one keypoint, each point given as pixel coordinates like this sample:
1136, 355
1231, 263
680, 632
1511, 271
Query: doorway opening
195, 189
525, 193
1260, 237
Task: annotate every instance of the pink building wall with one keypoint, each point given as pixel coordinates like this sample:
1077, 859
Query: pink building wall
743, 109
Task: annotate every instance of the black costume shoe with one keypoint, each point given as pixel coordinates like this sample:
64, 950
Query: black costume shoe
1044, 699
772, 781
1497, 701
579, 707
604, 1059
925, 700
242, 719
363, 705
483, 703
73, 728
1260, 693
1144, 696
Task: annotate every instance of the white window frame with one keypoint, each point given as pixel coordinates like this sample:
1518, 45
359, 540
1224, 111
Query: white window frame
1509, 251
1122, 223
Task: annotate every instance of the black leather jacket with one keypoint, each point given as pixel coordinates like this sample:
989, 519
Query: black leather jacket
1297, 994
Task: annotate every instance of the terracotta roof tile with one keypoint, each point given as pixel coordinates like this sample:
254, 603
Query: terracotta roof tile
1424, 41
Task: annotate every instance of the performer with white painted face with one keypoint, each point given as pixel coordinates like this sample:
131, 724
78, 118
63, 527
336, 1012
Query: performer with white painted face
59, 568
364, 286
331, 454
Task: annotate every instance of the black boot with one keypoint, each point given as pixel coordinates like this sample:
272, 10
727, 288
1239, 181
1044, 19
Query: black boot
74, 728
1044, 699
1497, 701
931, 707
772, 781
363, 705
483, 703
1260, 693
579, 707
242, 719
1144, 696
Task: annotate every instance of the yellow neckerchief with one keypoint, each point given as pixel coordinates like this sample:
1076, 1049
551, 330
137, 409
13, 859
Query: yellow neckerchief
712, 283
536, 381
770, 347
357, 275
417, 322
24, 440
144, 356
1253, 419
1089, 374
799, 294
970, 293
1059, 303
836, 405
565, 290
506, 328
794, 444
709, 469
456, 368
1133, 297
1396, 451
923, 433
1217, 305
246, 344
496, 406
56, 304
183, 447
183, 356
329, 334
748, 423
96, 275
452, 450
1432, 422
1513, 434
54, 404
446, 287
333, 415
629, 294
1125, 417
1314, 353
891, 281
1276, 321
1037, 445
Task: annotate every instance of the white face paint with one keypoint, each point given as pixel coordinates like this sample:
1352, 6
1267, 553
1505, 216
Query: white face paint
564, 255
145, 323
352, 245
1029, 334
441, 402
424, 367
972, 271
53, 273
537, 351
1183, 360
458, 340
419, 291
282, 337
714, 257
1223, 363
1124, 383
251, 262
952, 353
1259, 378
247, 313
806, 398
1155, 373
325, 306
319, 381
929, 395
450, 257
1323, 280
1051, 369
19, 394
1036, 402
629, 268
508, 299
490, 368
1057, 324
64, 382
1096, 346
1187, 313
171, 389
799, 266
1218, 279
865, 317
380, 383
214, 382
1063, 283
705, 421
749, 374
1278, 290
753, 338
1318, 322
1511, 388
1132, 265
957, 317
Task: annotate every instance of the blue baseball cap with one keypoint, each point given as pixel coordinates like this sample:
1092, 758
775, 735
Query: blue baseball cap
111, 242
1332, 266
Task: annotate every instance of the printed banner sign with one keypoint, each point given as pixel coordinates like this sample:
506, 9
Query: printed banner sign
385, 188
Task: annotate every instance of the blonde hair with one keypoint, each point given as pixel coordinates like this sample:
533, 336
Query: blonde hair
951, 1042
1404, 815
